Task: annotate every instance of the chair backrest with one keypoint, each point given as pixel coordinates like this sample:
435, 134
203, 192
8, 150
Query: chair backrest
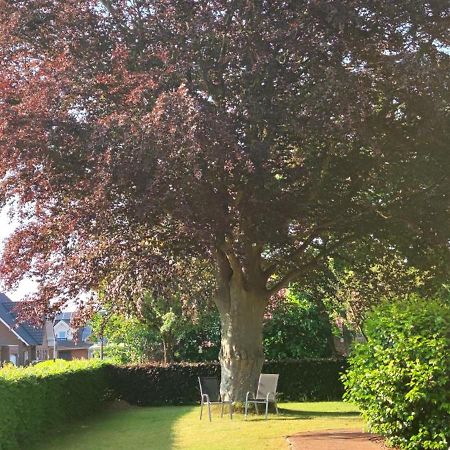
267, 384
210, 386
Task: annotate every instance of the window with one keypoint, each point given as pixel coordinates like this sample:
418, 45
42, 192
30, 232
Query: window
62, 335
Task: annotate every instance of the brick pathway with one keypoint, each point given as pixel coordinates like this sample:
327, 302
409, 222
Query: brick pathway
336, 440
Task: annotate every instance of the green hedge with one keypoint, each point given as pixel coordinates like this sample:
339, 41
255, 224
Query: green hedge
152, 384
34, 400
42, 397
309, 379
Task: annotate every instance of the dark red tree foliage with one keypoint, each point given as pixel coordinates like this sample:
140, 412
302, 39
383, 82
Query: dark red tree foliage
139, 138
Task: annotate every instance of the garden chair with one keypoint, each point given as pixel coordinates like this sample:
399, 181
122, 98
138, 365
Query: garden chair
266, 392
210, 394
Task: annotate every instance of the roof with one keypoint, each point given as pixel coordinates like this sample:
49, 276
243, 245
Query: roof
64, 316
66, 344
83, 333
27, 333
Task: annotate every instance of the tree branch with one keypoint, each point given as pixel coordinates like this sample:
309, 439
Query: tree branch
233, 260
295, 273
305, 244
253, 268
223, 264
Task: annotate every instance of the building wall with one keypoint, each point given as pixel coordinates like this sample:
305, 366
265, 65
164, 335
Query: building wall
63, 327
9, 345
45, 351
20, 353
7, 337
49, 335
80, 353
70, 354
14, 354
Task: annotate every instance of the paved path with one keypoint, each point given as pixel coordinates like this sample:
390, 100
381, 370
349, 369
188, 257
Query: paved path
336, 440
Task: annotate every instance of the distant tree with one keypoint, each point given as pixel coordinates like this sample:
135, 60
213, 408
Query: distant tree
201, 341
126, 339
140, 138
352, 285
155, 331
294, 328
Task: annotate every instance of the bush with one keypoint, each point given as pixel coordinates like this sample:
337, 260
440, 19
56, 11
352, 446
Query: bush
295, 329
153, 384
38, 398
399, 378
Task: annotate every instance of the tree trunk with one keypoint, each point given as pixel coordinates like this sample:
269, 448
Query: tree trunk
329, 332
164, 351
241, 355
168, 349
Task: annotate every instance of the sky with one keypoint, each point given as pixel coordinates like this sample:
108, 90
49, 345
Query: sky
6, 228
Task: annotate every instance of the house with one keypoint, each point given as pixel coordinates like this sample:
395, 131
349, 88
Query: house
70, 343
23, 343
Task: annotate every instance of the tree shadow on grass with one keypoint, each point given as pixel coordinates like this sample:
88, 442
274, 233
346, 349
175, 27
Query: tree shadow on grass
284, 414
315, 414
279, 417
294, 414
133, 428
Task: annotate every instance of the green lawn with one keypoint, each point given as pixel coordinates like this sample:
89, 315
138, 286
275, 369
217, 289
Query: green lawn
179, 427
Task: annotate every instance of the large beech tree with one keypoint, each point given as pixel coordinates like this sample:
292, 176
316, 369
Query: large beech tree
141, 138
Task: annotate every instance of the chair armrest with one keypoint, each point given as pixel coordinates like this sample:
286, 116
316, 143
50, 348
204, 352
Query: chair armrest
269, 394
205, 396
247, 396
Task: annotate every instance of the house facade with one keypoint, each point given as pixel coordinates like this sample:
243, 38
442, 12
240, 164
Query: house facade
70, 343
23, 343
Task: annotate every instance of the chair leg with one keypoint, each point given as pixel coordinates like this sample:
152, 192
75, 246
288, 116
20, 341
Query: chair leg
209, 411
201, 409
256, 408
221, 413
276, 407
267, 408
246, 409
231, 410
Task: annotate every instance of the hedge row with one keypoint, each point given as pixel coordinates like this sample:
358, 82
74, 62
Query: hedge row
309, 379
152, 384
37, 398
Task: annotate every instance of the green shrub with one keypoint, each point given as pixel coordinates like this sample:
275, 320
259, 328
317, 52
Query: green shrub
35, 399
400, 377
153, 384
293, 328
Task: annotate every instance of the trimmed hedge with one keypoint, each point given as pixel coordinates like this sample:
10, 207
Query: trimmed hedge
49, 394
153, 384
309, 379
38, 398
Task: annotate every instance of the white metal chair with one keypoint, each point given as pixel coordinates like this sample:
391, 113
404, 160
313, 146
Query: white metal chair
210, 394
266, 392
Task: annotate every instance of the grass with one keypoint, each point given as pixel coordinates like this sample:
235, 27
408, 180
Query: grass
179, 428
